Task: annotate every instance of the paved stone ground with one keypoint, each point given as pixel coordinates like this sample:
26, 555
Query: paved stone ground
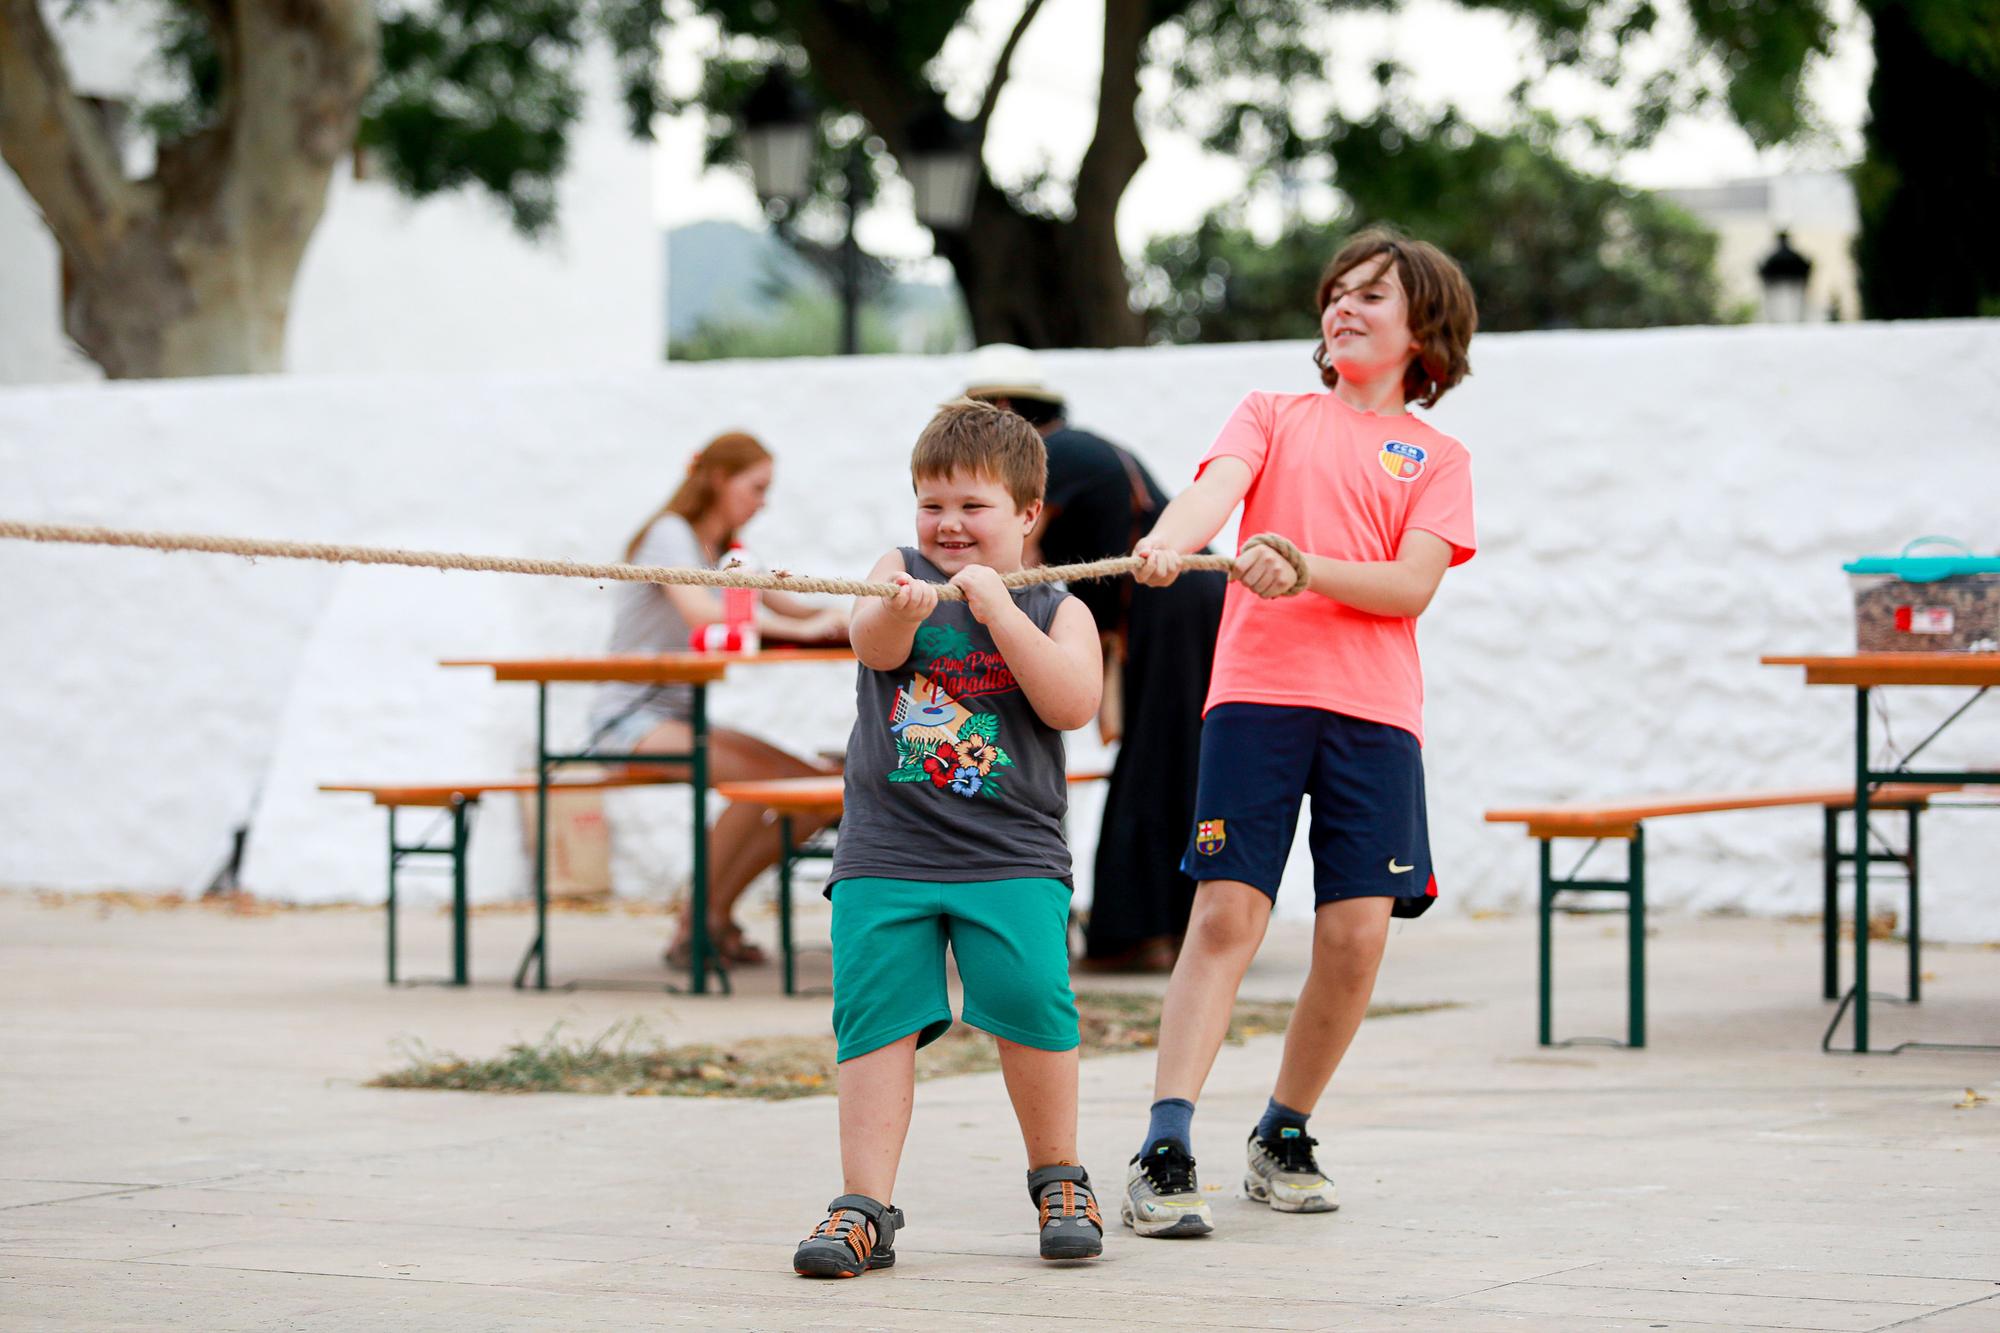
186, 1142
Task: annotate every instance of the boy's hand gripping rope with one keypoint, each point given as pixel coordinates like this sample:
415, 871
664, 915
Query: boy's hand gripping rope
776, 581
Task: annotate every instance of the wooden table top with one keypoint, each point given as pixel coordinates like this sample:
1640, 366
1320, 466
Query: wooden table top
647, 668
1894, 668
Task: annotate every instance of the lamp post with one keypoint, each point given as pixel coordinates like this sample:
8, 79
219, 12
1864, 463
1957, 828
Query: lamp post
778, 132
1784, 273
942, 163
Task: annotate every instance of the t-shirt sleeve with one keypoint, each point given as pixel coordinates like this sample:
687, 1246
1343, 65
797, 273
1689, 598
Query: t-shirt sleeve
1246, 435
670, 542
1444, 506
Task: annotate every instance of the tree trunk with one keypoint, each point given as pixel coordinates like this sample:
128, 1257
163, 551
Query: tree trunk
191, 272
1036, 282
193, 301
1929, 184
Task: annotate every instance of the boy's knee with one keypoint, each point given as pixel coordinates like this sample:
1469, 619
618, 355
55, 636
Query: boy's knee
1228, 917
1350, 928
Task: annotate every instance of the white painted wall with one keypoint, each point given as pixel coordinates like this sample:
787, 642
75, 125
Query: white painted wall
393, 285
1656, 510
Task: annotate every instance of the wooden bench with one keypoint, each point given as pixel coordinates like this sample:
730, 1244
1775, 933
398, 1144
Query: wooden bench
801, 798
1625, 820
460, 798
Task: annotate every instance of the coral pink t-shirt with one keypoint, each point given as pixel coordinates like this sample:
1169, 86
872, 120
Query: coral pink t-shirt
1347, 484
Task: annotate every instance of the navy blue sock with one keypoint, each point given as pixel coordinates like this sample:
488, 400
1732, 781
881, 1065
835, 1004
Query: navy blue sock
1279, 1117
1173, 1118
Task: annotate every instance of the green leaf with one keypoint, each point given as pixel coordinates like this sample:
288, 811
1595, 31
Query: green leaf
914, 773
1001, 759
990, 788
984, 725
935, 641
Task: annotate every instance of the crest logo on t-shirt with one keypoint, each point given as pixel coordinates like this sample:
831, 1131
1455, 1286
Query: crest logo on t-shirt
1404, 462
1209, 836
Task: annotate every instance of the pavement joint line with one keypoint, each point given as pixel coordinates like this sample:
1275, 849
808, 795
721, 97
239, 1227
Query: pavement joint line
1927, 1306
1932, 1314
1778, 1328
1554, 1272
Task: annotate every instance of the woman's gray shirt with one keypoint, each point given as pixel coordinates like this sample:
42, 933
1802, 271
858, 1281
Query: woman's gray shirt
647, 621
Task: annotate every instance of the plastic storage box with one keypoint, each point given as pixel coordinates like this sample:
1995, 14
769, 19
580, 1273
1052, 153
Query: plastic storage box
1944, 600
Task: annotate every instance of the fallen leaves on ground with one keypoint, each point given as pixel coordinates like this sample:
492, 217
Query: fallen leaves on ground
627, 1061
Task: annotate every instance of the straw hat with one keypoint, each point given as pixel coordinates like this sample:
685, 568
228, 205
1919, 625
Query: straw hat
1002, 370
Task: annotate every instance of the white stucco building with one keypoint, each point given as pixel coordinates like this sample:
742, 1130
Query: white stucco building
1815, 209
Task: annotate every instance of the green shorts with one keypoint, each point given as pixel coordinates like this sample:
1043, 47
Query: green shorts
1009, 937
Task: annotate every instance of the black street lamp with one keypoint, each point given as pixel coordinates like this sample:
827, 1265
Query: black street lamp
943, 168
1784, 273
778, 140
778, 135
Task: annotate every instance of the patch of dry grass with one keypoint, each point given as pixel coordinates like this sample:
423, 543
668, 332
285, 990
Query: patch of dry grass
626, 1061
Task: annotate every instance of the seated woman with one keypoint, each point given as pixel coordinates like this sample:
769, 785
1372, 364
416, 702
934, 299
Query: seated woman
725, 487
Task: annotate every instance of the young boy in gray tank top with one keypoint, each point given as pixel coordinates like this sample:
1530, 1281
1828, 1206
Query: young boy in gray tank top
952, 834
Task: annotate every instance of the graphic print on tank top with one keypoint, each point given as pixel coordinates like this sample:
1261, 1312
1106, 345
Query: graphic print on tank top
939, 738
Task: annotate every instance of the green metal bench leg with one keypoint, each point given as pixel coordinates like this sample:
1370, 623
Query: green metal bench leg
461, 811
394, 857
1830, 911
1635, 946
1633, 886
785, 862
1547, 914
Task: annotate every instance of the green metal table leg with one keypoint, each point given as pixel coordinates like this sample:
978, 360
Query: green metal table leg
785, 863
541, 835
394, 857
698, 954
1916, 916
1548, 907
461, 812
1829, 929
1861, 796
1635, 966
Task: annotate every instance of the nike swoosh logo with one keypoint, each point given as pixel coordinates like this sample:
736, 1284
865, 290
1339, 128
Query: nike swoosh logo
1395, 869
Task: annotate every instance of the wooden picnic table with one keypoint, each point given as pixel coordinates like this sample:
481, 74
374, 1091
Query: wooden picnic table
1864, 672
696, 670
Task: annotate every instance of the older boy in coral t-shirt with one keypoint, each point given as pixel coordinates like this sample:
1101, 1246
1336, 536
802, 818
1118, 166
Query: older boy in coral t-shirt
1318, 695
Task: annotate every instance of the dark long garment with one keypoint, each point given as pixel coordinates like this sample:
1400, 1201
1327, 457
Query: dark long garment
1140, 892
1100, 501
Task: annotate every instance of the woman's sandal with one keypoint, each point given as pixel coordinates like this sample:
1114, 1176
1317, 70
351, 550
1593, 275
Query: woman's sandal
725, 946
859, 1233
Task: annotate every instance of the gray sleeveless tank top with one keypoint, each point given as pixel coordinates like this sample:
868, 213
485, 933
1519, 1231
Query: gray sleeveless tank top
951, 776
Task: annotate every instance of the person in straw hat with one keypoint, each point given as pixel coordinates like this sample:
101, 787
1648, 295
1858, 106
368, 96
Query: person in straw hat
1159, 643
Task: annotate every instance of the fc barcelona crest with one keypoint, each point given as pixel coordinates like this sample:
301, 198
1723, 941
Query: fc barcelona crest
1404, 462
1209, 835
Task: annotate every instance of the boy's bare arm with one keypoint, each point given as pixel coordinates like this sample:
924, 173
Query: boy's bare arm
883, 628
1192, 519
1400, 587
1061, 672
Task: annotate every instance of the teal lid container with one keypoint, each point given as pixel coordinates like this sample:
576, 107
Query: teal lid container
1956, 560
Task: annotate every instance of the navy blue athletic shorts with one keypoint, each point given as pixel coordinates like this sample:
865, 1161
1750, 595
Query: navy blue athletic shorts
1369, 835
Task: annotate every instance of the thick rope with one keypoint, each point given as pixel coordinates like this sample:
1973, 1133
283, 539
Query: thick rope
776, 581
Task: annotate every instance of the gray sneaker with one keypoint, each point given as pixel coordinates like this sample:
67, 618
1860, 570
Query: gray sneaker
1162, 1196
1282, 1173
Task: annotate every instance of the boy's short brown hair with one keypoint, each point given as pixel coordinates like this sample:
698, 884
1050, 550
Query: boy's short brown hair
967, 435
1443, 312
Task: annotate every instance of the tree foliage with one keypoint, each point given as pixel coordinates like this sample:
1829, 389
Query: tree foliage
1544, 244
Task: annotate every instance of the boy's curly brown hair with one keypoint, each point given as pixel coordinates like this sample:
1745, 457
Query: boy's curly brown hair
1443, 312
